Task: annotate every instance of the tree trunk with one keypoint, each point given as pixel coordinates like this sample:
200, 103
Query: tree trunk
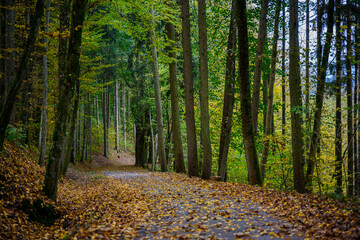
124, 114
174, 94
10, 45
338, 128
189, 90
66, 94
2, 51
350, 178
295, 101
97, 109
152, 143
140, 146
258, 63
283, 85
63, 40
70, 144
307, 74
116, 115
204, 91
269, 111
245, 98
105, 126
159, 114
320, 98
45, 90
357, 54
229, 99
86, 129
10, 99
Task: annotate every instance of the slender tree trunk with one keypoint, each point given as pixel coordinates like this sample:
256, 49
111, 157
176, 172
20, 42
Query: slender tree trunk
78, 132
175, 115
283, 85
307, 75
97, 110
66, 94
204, 91
70, 144
295, 101
357, 54
105, 122
350, 178
258, 63
159, 114
84, 135
124, 115
229, 99
189, 90
10, 99
269, 112
45, 90
10, 45
63, 40
152, 143
338, 137
116, 115
2, 51
320, 98
245, 98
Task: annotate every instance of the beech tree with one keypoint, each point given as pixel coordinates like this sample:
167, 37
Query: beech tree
320, 97
189, 90
65, 98
174, 94
204, 91
245, 99
295, 101
229, 98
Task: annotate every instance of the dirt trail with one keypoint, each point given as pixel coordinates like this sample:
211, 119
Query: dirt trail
190, 208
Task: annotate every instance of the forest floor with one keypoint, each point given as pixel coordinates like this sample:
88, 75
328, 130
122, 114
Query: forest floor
110, 199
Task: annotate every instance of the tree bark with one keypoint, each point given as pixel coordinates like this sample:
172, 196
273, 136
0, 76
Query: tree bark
269, 111
63, 39
174, 94
357, 56
105, 122
258, 63
10, 99
124, 114
70, 144
245, 98
116, 115
45, 89
229, 99
307, 74
350, 178
10, 45
295, 101
159, 114
189, 90
283, 85
204, 91
338, 128
320, 98
66, 94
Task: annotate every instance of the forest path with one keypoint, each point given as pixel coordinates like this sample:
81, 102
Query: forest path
191, 208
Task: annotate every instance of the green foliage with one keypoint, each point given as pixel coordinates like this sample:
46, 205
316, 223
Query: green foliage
16, 135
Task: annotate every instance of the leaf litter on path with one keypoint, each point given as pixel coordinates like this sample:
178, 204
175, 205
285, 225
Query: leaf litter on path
183, 208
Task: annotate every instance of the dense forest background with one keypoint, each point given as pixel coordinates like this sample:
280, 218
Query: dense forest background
265, 92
